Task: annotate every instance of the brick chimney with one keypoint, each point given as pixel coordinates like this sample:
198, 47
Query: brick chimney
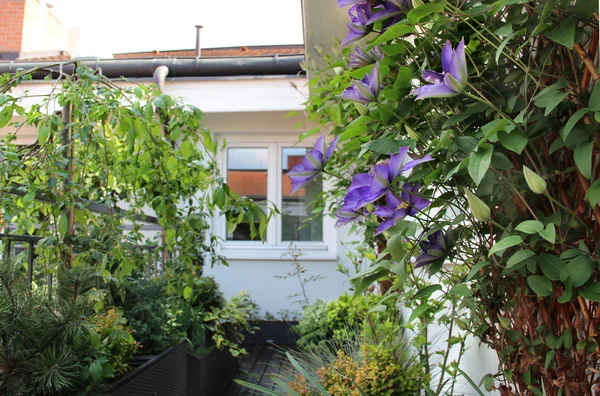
29, 29
12, 16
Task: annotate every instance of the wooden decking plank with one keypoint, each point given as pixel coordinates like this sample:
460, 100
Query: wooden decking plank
256, 371
273, 367
245, 366
266, 363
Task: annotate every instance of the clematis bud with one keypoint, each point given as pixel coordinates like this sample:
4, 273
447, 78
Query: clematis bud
480, 210
535, 182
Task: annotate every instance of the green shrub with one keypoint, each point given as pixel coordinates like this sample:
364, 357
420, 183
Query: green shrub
146, 308
228, 324
375, 372
321, 321
115, 339
205, 319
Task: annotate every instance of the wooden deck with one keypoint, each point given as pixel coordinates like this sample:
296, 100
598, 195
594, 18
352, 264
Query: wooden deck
262, 361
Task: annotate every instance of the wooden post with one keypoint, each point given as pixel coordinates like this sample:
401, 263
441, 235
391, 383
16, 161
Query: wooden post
68, 153
30, 252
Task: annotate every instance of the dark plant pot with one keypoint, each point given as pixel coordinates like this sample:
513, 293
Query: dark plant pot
165, 374
211, 374
278, 333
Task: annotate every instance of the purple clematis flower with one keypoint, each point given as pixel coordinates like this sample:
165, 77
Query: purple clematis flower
369, 187
346, 215
436, 248
367, 90
389, 9
312, 164
359, 20
454, 78
409, 204
360, 58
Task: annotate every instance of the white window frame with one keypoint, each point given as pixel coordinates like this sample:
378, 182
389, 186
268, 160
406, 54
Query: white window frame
273, 248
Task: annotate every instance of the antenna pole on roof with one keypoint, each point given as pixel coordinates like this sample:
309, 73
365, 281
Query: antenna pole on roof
198, 50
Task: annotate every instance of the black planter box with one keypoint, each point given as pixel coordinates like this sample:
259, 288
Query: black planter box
163, 375
211, 374
278, 333
175, 372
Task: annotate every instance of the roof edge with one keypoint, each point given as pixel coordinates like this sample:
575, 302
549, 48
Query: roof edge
178, 67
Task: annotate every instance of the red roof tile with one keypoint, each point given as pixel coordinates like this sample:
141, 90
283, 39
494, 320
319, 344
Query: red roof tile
219, 52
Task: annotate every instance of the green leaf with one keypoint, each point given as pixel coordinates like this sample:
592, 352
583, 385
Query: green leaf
548, 233
43, 134
595, 98
554, 100
186, 149
593, 194
501, 162
519, 256
479, 162
63, 225
541, 285
515, 141
29, 197
530, 226
505, 244
404, 77
563, 33
187, 292
385, 145
420, 310
475, 270
355, 128
393, 32
492, 128
461, 290
423, 10
171, 163
586, 8
571, 123
96, 371
549, 359
219, 197
427, 291
568, 292
579, 270
590, 291
502, 45
259, 388
583, 158
551, 266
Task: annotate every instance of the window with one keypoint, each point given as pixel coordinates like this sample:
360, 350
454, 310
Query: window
256, 166
297, 221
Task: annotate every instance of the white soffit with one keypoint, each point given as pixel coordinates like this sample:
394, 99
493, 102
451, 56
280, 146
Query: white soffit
323, 23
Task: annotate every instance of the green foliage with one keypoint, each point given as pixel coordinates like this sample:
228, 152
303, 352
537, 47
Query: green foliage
116, 340
120, 147
513, 182
337, 319
146, 308
205, 319
227, 324
49, 346
376, 373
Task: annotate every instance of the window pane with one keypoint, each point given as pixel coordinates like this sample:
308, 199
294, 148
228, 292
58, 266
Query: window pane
247, 176
298, 223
